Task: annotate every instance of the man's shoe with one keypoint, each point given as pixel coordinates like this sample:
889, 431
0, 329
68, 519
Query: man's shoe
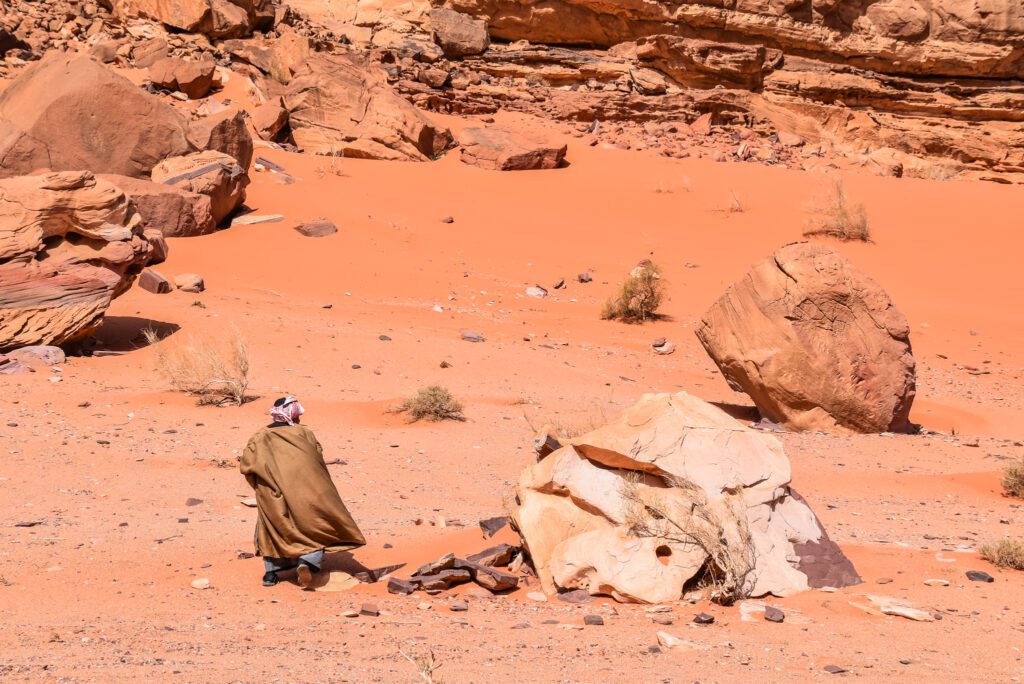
270, 579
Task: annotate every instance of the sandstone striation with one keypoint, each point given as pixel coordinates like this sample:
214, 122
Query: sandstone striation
69, 244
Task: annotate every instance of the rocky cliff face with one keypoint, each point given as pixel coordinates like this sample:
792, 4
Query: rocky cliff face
942, 38
887, 82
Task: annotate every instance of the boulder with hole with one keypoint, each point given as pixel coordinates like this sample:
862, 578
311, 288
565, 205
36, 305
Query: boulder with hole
676, 493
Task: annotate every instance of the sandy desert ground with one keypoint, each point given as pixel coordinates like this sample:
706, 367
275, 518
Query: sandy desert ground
135, 492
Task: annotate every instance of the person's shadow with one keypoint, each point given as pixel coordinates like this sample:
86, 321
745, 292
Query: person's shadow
338, 567
346, 562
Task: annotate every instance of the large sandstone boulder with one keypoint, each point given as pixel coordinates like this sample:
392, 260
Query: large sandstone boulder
675, 493
170, 209
71, 113
340, 105
705, 64
213, 18
211, 173
226, 132
194, 77
457, 34
505, 150
279, 58
69, 244
816, 344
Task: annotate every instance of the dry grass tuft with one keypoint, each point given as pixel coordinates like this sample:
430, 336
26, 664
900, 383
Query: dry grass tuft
426, 665
434, 403
835, 217
1013, 479
215, 372
336, 167
728, 545
1006, 553
639, 298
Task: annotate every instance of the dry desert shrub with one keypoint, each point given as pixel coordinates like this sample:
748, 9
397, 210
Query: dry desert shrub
336, 167
426, 665
639, 298
729, 563
213, 371
1006, 553
434, 403
835, 217
735, 203
1013, 479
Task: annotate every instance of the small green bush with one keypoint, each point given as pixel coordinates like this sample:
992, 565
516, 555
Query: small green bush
639, 298
434, 403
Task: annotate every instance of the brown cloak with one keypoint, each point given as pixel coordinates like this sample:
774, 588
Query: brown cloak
299, 508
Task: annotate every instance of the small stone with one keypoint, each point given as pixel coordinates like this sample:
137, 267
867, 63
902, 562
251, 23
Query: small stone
152, 281
448, 219
249, 501
521, 625
593, 620
560, 285
979, 576
576, 596
904, 661
584, 277
384, 338
201, 583
537, 596
883, 580
773, 614
369, 609
937, 582
490, 527
401, 586
834, 669
318, 228
470, 336
350, 613
459, 607
703, 619
537, 292
666, 640
425, 605
254, 219
193, 502
659, 619
189, 282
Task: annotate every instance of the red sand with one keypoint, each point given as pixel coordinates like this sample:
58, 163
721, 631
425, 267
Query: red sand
100, 591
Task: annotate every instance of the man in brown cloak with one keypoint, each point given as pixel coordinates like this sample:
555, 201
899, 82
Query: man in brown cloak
300, 514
